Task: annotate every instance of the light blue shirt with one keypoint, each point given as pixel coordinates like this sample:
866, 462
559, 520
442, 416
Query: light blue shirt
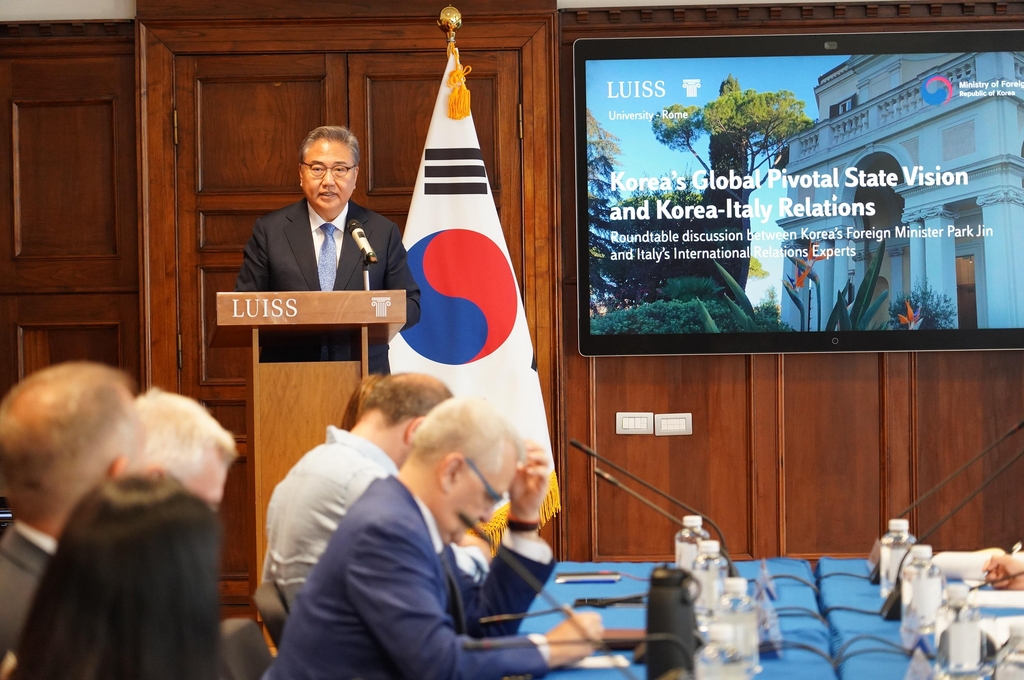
308, 503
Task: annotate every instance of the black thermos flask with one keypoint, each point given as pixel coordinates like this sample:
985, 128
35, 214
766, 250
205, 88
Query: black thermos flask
670, 611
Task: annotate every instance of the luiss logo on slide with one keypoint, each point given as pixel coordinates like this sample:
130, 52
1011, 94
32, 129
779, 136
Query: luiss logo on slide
936, 90
469, 310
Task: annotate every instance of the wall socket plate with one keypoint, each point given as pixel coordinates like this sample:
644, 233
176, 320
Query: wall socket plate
671, 424
634, 422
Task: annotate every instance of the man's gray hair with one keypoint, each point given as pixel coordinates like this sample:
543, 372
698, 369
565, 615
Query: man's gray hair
332, 133
180, 433
472, 427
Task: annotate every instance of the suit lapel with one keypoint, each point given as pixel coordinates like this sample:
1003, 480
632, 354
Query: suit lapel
24, 553
300, 238
350, 265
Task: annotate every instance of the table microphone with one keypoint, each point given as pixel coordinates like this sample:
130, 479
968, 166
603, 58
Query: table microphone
875, 573
647, 485
891, 610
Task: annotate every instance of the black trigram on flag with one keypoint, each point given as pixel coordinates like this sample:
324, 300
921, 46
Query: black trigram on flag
466, 176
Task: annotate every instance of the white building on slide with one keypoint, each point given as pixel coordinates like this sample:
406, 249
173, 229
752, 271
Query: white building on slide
878, 119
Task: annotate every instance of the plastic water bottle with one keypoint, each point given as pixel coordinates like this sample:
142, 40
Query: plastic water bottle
709, 570
958, 636
922, 588
719, 659
738, 610
1010, 661
895, 545
687, 539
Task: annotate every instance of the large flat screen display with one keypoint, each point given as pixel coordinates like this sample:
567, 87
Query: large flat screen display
800, 193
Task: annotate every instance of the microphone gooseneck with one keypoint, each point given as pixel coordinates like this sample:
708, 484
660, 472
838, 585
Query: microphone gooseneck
956, 473
537, 587
891, 610
647, 485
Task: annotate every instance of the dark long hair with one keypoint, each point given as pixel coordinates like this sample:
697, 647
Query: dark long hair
131, 593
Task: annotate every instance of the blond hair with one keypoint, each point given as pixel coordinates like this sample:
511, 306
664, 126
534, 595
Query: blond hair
180, 433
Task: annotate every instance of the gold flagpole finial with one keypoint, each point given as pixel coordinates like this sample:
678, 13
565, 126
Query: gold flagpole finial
458, 101
450, 21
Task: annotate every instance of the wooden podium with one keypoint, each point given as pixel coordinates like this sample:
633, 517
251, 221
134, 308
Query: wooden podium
290, 405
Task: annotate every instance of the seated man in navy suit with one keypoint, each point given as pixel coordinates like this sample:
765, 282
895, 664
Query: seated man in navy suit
306, 246
385, 600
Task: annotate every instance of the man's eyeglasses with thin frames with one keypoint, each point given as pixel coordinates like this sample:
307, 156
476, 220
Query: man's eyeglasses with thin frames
491, 493
318, 171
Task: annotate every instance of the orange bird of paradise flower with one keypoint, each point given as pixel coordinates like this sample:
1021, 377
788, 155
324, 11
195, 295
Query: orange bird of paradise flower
804, 267
912, 319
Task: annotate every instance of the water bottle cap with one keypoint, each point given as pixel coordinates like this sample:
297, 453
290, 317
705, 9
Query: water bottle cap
921, 552
734, 585
720, 632
957, 591
899, 525
693, 521
709, 547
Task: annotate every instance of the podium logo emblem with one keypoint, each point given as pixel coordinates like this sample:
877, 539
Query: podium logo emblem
381, 304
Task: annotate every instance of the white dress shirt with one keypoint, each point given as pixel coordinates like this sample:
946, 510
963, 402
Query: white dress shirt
318, 234
529, 547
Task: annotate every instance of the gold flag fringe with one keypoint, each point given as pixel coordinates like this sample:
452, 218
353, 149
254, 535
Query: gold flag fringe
548, 509
458, 100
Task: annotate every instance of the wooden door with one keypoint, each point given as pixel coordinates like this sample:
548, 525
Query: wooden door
240, 120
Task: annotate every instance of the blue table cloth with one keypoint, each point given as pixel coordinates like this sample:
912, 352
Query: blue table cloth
797, 605
842, 583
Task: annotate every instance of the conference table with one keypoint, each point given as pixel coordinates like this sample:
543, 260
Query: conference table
797, 605
848, 601
832, 608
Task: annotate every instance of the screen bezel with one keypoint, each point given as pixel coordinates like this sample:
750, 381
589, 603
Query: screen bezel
752, 46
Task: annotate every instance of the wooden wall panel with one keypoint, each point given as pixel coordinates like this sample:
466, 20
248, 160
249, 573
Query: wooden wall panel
243, 129
69, 274
965, 402
45, 165
708, 470
831, 436
69, 169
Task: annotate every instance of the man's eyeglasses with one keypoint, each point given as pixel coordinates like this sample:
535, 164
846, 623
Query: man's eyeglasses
491, 493
318, 170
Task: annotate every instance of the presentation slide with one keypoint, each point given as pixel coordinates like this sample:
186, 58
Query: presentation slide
815, 193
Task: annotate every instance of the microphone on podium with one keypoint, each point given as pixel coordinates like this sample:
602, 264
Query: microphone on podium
647, 485
875, 574
355, 228
891, 609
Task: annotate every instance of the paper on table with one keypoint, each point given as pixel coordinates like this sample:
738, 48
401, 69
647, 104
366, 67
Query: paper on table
965, 566
1005, 599
602, 661
999, 628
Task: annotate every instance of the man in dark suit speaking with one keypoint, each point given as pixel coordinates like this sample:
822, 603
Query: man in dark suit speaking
307, 246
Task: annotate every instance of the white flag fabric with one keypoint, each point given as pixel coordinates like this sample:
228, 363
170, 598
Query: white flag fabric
472, 332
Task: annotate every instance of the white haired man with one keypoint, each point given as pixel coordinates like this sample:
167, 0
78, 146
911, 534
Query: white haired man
184, 441
385, 601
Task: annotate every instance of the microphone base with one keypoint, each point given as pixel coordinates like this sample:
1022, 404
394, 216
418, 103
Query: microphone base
892, 608
876, 575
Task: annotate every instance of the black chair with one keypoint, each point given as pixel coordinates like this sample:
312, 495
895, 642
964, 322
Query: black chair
244, 654
273, 608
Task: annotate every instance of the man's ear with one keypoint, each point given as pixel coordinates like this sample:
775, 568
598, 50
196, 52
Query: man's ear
118, 468
410, 429
448, 470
